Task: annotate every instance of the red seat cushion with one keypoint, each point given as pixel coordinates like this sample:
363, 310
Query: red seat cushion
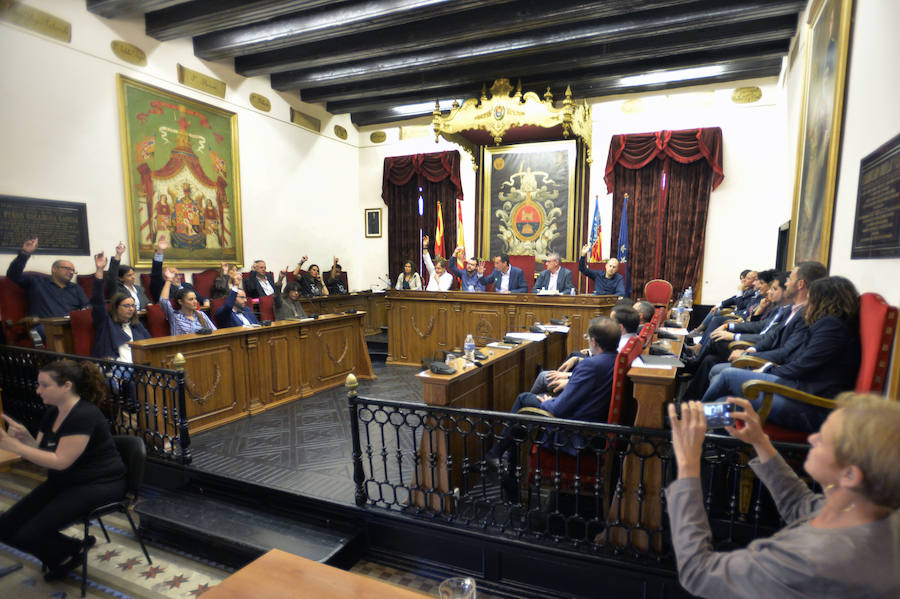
877, 323
157, 324
82, 331
267, 307
658, 291
203, 281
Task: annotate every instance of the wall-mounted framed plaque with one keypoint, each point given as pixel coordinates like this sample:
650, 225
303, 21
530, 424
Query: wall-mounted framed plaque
61, 227
876, 228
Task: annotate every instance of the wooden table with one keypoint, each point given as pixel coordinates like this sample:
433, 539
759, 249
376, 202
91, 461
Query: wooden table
422, 322
238, 371
282, 575
372, 303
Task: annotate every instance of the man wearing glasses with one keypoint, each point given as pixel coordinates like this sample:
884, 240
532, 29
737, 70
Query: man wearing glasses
53, 296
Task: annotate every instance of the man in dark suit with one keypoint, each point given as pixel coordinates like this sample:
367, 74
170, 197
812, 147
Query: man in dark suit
506, 278
260, 283
234, 312
554, 277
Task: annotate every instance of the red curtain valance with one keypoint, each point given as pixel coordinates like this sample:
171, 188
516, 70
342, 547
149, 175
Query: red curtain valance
637, 150
435, 166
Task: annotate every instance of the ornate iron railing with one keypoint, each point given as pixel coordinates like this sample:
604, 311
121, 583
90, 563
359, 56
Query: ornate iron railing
143, 401
595, 488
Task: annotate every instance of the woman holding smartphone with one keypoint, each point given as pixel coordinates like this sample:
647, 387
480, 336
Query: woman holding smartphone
844, 542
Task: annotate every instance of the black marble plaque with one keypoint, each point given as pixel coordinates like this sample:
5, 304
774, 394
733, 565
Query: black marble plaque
61, 227
876, 229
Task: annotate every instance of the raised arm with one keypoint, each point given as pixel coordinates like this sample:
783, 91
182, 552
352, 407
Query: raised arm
156, 271
164, 302
98, 302
17, 267
429, 265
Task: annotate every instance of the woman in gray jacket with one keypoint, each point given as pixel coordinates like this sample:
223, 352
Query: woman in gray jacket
843, 543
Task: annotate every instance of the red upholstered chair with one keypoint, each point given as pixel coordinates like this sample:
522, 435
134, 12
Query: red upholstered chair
13, 308
877, 323
267, 308
646, 333
622, 409
145, 283
82, 331
214, 305
157, 325
526, 263
86, 282
658, 292
203, 281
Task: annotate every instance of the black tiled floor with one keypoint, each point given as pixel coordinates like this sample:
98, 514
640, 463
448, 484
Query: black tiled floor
303, 447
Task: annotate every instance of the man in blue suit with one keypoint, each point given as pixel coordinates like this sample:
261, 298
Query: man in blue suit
554, 277
587, 394
234, 312
506, 278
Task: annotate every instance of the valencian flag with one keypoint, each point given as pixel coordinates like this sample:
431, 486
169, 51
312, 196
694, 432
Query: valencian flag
595, 238
460, 237
623, 245
439, 234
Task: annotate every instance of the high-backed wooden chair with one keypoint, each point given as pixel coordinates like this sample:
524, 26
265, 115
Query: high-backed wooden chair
86, 282
214, 306
82, 331
203, 281
157, 325
14, 308
267, 308
658, 292
877, 323
526, 263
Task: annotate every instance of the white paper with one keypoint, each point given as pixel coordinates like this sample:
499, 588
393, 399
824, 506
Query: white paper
499, 345
674, 331
554, 328
638, 363
526, 336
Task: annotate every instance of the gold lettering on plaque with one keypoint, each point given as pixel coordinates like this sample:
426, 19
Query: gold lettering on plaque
378, 137
128, 52
306, 121
340, 132
36, 20
260, 102
204, 83
746, 95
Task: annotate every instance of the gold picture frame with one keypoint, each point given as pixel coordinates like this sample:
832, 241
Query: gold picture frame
528, 199
372, 222
818, 145
181, 149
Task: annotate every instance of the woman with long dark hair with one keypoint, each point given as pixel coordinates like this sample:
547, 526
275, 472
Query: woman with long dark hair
84, 469
188, 318
115, 327
409, 279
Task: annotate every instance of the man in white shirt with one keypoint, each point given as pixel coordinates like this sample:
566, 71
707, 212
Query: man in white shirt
260, 283
438, 277
554, 277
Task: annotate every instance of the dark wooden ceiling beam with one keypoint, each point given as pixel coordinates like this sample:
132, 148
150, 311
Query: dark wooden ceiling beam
722, 39
342, 20
656, 23
113, 9
432, 33
205, 16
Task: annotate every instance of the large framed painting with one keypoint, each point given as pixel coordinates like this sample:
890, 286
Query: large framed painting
182, 180
528, 199
827, 41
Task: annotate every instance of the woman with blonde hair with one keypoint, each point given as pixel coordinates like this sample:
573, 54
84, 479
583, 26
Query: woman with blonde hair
843, 542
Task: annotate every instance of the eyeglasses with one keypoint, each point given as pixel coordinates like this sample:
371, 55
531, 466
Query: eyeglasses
68, 268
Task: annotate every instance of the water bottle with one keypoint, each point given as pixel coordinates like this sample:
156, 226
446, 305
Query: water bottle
680, 310
689, 300
572, 291
469, 347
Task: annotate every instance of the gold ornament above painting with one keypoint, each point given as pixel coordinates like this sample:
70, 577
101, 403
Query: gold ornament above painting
534, 202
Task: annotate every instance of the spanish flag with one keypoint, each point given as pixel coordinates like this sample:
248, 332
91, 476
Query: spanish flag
439, 234
460, 237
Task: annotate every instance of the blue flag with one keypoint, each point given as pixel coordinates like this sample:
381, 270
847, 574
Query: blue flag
623, 245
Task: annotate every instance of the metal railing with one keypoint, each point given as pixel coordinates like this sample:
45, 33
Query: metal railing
142, 401
595, 488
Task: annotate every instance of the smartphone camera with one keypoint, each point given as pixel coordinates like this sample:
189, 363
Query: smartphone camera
718, 414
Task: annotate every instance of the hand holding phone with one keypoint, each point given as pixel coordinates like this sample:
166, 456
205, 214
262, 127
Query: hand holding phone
718, 414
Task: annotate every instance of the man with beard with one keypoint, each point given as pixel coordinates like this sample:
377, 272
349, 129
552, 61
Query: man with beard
470, 278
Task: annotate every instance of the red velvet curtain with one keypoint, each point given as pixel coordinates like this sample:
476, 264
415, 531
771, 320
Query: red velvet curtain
668, 176
437, 174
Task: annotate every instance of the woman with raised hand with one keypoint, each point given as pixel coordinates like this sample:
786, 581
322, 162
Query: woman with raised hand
188, 318
84, 469
115, 327
287, 303
121, 278
844, 542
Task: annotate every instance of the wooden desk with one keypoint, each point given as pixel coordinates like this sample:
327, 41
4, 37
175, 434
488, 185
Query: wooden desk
282, 575
238, 371
422, 322
373, 304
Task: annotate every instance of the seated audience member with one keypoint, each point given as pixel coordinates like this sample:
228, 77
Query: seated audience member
588, 392
223, 283
311, 284
438, 277
777, 307
470, 278
235, 312
739, 301
260, 282
55, 295
334, 282
843, 542
645, 310
606, 282
826, 364
628, 319
121, 278
188, 318
409, 279
116, 327
178, 284
287, 303
506, 278
84, 470
554, 277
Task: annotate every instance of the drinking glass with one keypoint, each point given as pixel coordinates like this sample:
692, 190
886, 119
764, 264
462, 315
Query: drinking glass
457, 588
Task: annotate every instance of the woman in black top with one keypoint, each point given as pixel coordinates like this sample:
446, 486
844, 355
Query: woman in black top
84, 469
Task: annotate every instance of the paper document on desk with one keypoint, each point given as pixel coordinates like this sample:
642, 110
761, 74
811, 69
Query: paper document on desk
674, 331
657, 362
527, 336
499, 345
554, 328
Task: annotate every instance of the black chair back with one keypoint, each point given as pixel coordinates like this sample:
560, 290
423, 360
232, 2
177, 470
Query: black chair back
133, 454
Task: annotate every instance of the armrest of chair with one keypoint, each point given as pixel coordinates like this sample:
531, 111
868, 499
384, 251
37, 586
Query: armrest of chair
746, 361
535, 412
740, 345
752, 389
725, 311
